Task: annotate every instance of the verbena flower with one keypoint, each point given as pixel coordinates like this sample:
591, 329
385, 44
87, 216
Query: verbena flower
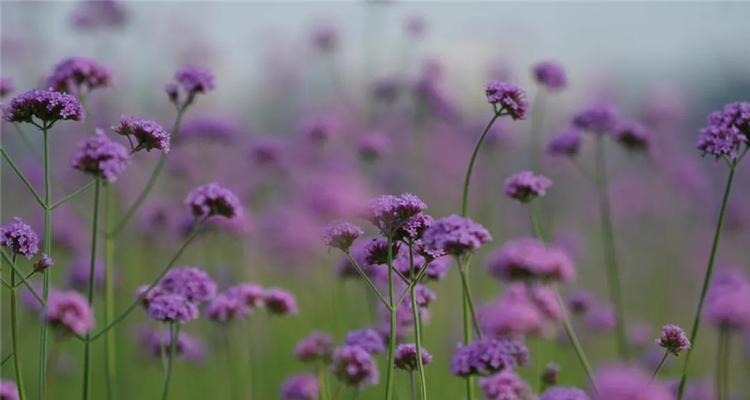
69, 312
601, 318
300, 387
550, 374
93, 15
525, 186
224, 308
509, 97
190, 81
640, 334
8, 390
249, 293
597, 118
628, 383
488, 356
368, 339
406, 357
728, 130
564, 393
6, 86
673, 339
455, 235
728, 300
79, 274
325, 37
46, 105
314, 347
389, 213
580, 302
567, 143
79, 74
373, 145
320, 130
210, 128
148, 134
550, 74
506, 385
101, 157
632, 135
280, 302
213, 199
354, 366
376, 251
158, 343
192, 283
43, 263
531, 259
341, 235
19, 238
514, 313
172, 307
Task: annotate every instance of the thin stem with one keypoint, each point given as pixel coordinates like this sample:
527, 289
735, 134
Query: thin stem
6, 359
718, 386
14, 336
109, 297
658, 366
707, 279
367, 279
156, 280
535, 223
469, 303
392, 338
73, 194
174, 331
22, 177
23, 280
537, 117
610, 255
412, 385
90, 291
414, 281
8, 285
574, 340
417, 327
43, 337
470, 168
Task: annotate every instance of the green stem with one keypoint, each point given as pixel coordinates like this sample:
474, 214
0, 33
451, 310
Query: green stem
6, 359
22, 177
14, 336
707, 279
174, 331
367, 279
570, 332
463, 270
43, 336
417, 327
535, 223
72, 194
658, 367
109, 298
392, 339
472, 160
718, 377
610, 255
90, 290
537, 114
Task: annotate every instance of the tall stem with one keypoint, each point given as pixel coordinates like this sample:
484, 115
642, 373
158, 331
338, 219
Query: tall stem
109, 296
707, 279
14, 334
610, 254
417, 326
43, 345
392, 339
658, 366
90, 290
718, 386
470, 168
537, 114
174, 331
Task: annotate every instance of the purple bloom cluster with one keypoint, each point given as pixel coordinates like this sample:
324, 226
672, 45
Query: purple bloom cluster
627, 383
192, 283
6, 86
506, 385
354, 366
632, 135
209, 128
550, 74
80, 273
531, 259
148, 134
727, 131
376, 251
673, 339
93, 15
224, 308
314, 347
43, 263
101, 157
488, 356
406, 357
300, 387
191, 80
79, 74
249, 293
455, 235
176, 297
46, 105
159, 343
19, 238
523, 309
550, 374
70, 312
728, 300
368, 339
373, 145
280, 302
564, 393
567, 143
510, 98
341, 235
598, 118
8, 390
213, 199
525, 186
389, 213
172, 307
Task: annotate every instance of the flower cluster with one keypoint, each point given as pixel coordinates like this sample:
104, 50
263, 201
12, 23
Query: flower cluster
280, 302
389, 213
510, 98
531, 259
341, 235
46, 105
19, 238
77, 75
178, 294
567, 143
598, 118
455, 235
628, 383
727, 131
6, 86
368, 339
213, 199
550, 74
673, 339
522, 310
728, 300
354, 366
564, 393
488, 356
525, 186
69, 312
316, 346
632, 135
101, 157
300, 387
191, 80
506, 385
406, 357
148, 134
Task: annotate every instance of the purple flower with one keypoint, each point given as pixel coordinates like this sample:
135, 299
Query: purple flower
564, 393
19, 238
224, 308
79, 74
727, 131
580, 302
368, 339
209, 128
525, 186
510, 98
627, 383
6, 86
341, 235
389, 213
191, 80
159, 343
101, 157
601, 318
280, 302
728, 300
212, 199
192, 283
266, 152
70, 312
354, 366
567, 143
415, 227
529, 259
455, 235
8, 390
506, 385
43, 263
46, 105
172, 307
325, 37
314, 347
550, 74
517, 312
92, 15
79, 274
415, 26
488, 356
376, 251
632, 135
550, 374
673, 339
373, 145
249, 293
300, 387
320, 130
148, 134
640, 334
598, 118
406, 357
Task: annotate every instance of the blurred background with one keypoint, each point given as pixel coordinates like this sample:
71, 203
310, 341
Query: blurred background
399, 88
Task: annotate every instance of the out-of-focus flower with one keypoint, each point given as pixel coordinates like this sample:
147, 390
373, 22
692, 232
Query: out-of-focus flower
191, 80
415, 26
8, 390
506, 385
314, 347
101, 157
514, 313
673, 339
580, 302
213, 199
727, 131
6, 86
320, 130
249, 293
628, 383
43, 263
510, 98
728, 300
159, 343
406, 357
325, 37
192, 283
550, 74
80, 271
341, 235
376, 251
531, 259
632, 135
368, 339
280, 302
70, 312
148, 134
488, 356
46, 105
550, 374
19, 238
455, 235
225, 308
564, 393
640, 334
389, 213
90, 15
172, 307
373, 145
354, 366
525, 186
598, 118
78, 75
567, 143
300, 387
210, 128
601, 318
